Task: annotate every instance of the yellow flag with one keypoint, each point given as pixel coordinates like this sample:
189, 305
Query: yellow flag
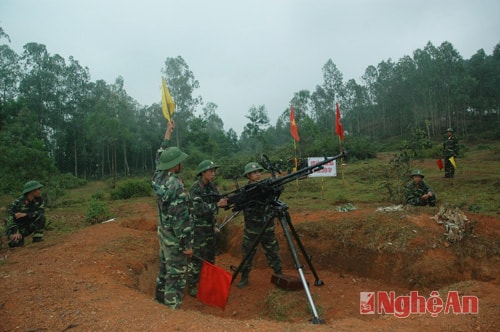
167, 103
453, 162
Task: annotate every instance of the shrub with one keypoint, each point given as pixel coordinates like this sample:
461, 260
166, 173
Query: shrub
131, 188
97, 212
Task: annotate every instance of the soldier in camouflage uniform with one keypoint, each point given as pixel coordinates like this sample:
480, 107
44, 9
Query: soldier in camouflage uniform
26, 216
450, 149
203, 214
418, 192
174, 228
255, 218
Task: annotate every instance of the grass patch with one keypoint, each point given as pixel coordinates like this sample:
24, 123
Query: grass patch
475, 189
287, 306
393, 235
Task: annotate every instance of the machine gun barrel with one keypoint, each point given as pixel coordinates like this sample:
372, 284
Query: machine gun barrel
267, 190
306, 170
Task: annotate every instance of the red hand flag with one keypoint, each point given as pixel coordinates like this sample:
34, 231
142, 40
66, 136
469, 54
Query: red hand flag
214, 285
338, 125
440, 164
294, 129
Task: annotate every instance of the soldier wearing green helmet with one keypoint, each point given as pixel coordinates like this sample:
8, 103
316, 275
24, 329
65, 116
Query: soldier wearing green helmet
450, 150
203, 210
26, 216
174, 227
255, 219
418, 193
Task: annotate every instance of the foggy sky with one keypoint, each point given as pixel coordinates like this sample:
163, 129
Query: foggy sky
244, 53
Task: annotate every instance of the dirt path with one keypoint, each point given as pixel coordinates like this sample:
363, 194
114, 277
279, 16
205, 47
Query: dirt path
102, 278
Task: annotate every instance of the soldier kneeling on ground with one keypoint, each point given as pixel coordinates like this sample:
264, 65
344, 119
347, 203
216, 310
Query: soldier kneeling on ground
26, 216
418, 192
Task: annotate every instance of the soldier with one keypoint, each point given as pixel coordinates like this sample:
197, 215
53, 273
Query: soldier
255, 218
26, 216
450, 149
418, 192
203, 212
174, 228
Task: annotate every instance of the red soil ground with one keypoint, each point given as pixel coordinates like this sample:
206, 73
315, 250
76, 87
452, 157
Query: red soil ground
101, 278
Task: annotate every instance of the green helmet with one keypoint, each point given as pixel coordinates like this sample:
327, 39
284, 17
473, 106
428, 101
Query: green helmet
252, 167
171, 157
205, 165
449, 130
417, 172
30, 186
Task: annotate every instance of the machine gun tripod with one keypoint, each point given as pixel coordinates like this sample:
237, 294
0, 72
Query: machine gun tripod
280, 212
265, 194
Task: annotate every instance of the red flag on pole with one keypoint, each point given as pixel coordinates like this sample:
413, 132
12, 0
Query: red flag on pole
338, 125
214, 285
294, 129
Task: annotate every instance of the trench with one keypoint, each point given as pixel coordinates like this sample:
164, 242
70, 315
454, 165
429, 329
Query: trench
421, 262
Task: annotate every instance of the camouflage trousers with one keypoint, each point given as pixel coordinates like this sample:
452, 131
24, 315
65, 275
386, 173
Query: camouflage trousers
26, 226
449, 170
269, 244
171, 279
204, 248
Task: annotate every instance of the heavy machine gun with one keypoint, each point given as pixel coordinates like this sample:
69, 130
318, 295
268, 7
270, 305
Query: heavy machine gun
268, 190
266, 193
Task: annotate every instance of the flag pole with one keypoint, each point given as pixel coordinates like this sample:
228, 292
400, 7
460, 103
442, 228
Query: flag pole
339, 130
295, 162
341, 161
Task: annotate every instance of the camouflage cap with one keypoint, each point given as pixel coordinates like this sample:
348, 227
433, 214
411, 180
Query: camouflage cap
416, 172
30, 186
449, 130
171, 157
252, 167
205, 165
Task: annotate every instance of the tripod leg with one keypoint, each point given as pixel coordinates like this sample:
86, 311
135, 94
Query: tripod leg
284, 222
253, 248
317, 280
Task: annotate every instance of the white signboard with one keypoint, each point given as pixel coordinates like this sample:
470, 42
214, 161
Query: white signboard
329, 169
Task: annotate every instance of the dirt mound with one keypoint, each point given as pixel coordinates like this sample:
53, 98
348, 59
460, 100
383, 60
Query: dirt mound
102, 277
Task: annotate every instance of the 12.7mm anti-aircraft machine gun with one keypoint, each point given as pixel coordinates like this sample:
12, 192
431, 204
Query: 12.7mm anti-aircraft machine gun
266, 193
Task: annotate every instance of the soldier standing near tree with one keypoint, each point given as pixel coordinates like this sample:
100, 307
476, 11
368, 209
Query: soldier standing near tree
450, 149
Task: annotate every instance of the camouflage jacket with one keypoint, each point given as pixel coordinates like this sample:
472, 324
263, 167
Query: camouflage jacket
203, 207
174, 227
33, 210
450, 147
257, 214
414, 192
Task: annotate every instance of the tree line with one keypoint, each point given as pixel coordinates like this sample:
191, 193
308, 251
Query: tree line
55, 120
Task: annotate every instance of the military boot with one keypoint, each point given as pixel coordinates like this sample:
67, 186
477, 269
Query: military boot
243, 281
193, 290
160, 296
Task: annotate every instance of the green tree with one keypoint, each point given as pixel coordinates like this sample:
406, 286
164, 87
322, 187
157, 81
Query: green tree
325, 97
252, 137
182, 83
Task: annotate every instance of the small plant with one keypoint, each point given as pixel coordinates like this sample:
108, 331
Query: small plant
98, 196
97, 212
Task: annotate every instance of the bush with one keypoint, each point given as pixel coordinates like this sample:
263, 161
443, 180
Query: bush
132, 188
97, 212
